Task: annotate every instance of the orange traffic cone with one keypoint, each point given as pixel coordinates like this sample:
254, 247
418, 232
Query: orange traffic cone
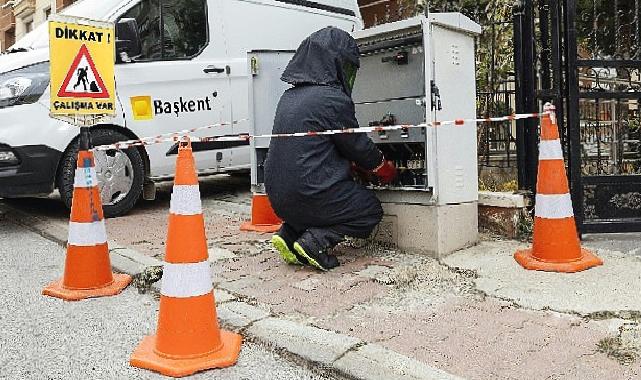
556, 246
87, 266
188, 338
263, 218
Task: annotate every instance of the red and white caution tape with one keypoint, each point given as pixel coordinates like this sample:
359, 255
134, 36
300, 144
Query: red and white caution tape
178, 136
167, 137
456, 122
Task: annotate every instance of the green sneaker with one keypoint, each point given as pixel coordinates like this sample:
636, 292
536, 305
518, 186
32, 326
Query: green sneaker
281, 246
319, 260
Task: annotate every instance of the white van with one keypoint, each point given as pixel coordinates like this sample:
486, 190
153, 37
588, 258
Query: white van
181, 64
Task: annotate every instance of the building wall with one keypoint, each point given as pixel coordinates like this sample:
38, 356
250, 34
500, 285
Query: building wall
7, 25
24, 11
376, 12
19, 17
43, 9
60, 4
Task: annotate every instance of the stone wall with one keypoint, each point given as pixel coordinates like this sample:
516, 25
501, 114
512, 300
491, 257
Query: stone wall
503, 213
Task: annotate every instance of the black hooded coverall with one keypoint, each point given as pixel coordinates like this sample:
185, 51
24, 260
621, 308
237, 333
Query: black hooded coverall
308, 179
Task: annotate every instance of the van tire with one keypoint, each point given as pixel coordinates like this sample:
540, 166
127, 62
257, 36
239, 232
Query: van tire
66, 174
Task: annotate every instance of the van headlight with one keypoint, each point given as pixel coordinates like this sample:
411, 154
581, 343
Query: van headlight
8, 156
24, 86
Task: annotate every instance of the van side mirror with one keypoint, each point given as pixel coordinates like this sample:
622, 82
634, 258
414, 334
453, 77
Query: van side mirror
128, 44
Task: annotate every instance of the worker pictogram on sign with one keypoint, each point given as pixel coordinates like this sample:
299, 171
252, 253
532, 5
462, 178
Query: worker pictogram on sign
83, 80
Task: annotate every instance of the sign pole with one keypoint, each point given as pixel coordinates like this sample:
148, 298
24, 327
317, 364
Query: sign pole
85, 138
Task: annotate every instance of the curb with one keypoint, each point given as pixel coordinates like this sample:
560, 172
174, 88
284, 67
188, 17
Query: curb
343, 354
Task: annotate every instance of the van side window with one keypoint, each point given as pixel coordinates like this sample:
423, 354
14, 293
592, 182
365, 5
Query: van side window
170, 29
147, 15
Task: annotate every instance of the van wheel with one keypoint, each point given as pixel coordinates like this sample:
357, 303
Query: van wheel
120, 173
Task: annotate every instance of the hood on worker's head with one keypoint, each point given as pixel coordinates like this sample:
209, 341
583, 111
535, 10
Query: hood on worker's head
322, 59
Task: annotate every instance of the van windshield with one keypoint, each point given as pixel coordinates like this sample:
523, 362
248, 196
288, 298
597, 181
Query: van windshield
94, 9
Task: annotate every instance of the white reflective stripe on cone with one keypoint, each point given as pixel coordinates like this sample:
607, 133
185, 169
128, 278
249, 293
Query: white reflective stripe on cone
185, 200
87, 234
550, 150
553, 206
85, 177
186, 280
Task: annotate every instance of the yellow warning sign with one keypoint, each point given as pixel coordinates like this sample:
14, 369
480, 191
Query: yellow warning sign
82, 66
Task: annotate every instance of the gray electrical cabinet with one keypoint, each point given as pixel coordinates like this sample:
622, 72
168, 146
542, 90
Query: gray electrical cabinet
416, 71
412, 72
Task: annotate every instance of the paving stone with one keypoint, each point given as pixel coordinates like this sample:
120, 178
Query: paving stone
631, 335
376, 272
229, 206
238, 285
309, 342
333, 293
134, 255
124, 264
307, 284
240, 314
374, 362
217, 254
115, 245
223, 296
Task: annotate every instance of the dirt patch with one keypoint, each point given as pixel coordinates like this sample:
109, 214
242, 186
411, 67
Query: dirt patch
624, 348
624, 314
143, 280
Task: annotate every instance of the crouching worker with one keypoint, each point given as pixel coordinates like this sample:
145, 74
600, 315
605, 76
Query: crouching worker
308, 179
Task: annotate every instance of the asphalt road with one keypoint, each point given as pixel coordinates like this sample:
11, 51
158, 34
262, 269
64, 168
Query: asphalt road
46, 338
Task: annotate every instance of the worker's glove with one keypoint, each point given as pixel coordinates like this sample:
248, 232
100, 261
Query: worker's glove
361, 175
386, 172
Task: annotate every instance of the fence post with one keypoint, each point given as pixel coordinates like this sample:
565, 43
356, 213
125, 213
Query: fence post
573, 115
525, 75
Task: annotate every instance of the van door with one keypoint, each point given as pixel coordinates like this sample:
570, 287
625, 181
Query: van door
180, 81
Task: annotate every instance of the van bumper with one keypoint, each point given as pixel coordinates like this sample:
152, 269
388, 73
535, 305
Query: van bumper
32, 174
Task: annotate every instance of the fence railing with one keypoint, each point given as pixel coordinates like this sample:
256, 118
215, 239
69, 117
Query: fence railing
497, 141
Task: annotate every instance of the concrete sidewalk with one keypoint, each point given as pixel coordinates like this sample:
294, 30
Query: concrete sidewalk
385, 314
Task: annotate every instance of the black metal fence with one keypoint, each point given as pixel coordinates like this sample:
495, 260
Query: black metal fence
497, 141
495, 97
585, 56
